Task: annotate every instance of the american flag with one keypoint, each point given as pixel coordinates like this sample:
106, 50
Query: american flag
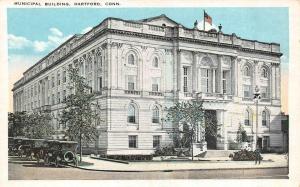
207, 18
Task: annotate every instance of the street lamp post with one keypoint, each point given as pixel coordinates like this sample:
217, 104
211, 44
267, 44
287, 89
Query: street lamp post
256, 97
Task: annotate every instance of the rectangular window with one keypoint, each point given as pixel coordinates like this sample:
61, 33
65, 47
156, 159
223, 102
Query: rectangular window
246, 91
53, 84
205, 80
155, 83
264, 92
131, 82
99, 80
185, 79
224, 82
35, 91
58, 97
264, 122
58, 79
132, 140
156, 141
64, 76
64, 96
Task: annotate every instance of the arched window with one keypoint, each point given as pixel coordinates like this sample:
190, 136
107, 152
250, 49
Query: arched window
131, 59
247, 118
247, 71
131, 114
155, 115
265, 118
155, 62
264, 73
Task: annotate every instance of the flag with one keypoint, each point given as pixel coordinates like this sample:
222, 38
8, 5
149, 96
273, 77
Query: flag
207, 18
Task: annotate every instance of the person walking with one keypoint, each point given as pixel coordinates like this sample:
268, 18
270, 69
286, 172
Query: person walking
257, 156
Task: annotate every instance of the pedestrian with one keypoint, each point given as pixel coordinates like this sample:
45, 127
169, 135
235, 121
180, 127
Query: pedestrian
257, 156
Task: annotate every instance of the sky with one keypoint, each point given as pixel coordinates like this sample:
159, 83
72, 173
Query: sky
34, 32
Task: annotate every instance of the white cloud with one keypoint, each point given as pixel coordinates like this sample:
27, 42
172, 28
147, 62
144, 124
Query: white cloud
86, 30
40, 46
207, 26
18, 42
56, 31
55, 38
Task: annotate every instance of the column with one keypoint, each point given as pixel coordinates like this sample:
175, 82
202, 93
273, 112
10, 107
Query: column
194, 73
179, 72
175, 77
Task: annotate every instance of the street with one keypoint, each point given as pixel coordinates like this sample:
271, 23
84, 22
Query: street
29, 170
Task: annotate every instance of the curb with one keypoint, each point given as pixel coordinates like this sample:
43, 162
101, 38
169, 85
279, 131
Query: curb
172, 170
111, 160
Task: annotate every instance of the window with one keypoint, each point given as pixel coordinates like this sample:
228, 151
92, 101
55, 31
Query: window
155, 62
264, 92
247, 71
264, 73
131, 114
58, 97
99, 80
247, 117
131, 59
64, 76
64, 96
156, 141
155, 84
131, 82
265, 118
155, 115
53, 101
205, 80
224, 81
58, 79
132, 141
53, 84
247, 91
185, 79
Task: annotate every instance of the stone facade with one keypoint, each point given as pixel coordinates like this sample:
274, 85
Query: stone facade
141, 67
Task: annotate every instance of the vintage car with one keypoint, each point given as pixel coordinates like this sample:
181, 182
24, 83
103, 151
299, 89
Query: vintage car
60, 152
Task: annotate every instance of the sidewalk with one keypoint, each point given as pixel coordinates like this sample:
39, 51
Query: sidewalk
270, 161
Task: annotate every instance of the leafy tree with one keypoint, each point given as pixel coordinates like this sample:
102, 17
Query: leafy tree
16, 123
191, 118
38, 125
241, 135
81, 114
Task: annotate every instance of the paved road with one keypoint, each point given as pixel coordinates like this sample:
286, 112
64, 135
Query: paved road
22, 169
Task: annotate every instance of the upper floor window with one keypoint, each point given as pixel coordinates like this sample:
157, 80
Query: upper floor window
58, 79
155, 62
247, 118
264, 73
131, 80
185, 79
131, 118
247, 91
155, 84
265, 118
206, 82
131, 59
64, 76
155, 115
247, 71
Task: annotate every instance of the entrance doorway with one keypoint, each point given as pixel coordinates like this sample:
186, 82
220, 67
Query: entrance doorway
211, 129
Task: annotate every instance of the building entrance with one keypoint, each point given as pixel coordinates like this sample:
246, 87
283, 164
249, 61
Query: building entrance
211, 129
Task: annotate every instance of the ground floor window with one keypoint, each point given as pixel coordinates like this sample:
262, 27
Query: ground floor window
132, 140
156, 141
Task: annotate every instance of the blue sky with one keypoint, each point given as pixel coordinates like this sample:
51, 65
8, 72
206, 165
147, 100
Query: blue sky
34, 32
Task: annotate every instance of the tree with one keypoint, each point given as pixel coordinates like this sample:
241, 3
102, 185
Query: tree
38, 125
193, 120
241, 135
16, 123
81, 114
